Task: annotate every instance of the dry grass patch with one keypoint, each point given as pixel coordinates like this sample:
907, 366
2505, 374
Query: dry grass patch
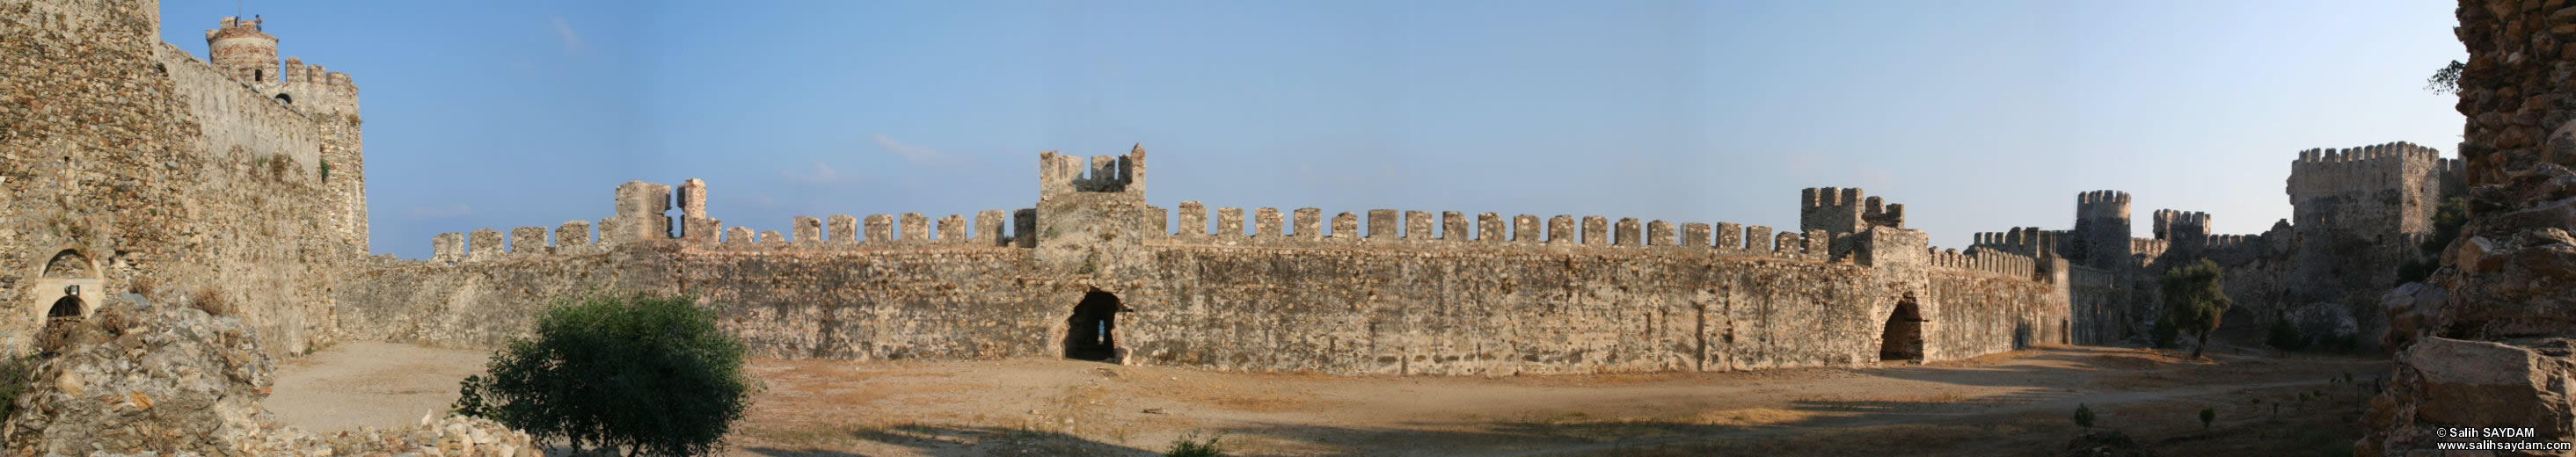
212, 300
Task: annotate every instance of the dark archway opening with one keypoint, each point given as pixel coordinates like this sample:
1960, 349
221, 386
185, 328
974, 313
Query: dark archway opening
1903, 339
66, 308
283, 99
60, 323
1091, 334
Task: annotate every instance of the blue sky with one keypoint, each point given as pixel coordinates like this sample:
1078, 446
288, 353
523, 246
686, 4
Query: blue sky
1977, 115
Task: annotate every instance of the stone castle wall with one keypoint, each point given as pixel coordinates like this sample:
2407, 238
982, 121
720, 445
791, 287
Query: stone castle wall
2360, 214
1408, 292
119, 151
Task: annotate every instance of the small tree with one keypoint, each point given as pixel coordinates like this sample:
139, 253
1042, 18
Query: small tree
2207, 415
2194, 300
649, 374
2083, 416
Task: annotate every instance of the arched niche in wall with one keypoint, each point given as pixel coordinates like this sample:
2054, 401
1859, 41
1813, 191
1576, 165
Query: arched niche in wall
67, 276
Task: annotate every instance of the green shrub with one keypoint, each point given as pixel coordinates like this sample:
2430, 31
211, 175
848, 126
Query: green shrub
650, 374
2083, 416
1190, 446
2207, 415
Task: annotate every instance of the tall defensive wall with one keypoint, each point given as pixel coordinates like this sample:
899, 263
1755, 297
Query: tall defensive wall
228, 178
2359, 213
1091, 271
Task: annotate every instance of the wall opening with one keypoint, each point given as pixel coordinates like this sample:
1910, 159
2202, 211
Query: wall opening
68, 308
1903, 338
283, 99
1092, 332
60, 288
258, 75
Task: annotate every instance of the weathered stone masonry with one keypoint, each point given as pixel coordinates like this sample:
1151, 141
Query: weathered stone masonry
2359, 213
1420, 292
127, 154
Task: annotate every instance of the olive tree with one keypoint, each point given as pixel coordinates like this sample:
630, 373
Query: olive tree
648, 374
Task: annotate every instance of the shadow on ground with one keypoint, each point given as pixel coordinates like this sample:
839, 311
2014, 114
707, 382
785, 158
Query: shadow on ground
968, 440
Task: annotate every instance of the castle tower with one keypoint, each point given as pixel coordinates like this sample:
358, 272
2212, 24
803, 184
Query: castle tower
240, 48
2383, 188
2101, 236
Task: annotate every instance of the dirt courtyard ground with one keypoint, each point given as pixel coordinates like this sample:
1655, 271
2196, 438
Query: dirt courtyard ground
2016, 403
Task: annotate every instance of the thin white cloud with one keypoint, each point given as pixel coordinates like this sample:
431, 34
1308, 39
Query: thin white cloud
917, 154
571, 39
818, 173
434, 212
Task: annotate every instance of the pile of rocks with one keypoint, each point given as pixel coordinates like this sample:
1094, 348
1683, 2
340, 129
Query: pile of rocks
140, 379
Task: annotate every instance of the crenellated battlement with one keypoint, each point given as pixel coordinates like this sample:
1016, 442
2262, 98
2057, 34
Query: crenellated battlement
2391, 187
643, 214
2026, 241
2146, 250
1980, 260
242, 50
1063, 174
2102, 204
2385, 151
1843, 210
1454, 230
2325, 172
2227, 243
2177, 224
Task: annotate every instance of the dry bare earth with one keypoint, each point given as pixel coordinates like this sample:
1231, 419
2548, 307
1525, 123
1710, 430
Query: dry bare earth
2016, 403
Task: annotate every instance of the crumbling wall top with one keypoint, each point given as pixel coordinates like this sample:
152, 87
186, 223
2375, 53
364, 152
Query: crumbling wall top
1062, 174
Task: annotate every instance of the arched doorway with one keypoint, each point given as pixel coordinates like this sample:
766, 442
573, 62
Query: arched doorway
63, 286
1903, 337
61, 320
1092, 332
65, 308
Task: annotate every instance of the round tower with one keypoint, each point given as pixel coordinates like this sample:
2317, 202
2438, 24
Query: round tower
241, 48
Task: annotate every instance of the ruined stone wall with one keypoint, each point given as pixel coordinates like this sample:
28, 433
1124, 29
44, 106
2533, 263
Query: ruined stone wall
1413, 293
1356, 307
890, 303
1985, 313
2357, 214
233, 116
2098, 305
115, 148
2491, 346
1465, 312
481, 303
